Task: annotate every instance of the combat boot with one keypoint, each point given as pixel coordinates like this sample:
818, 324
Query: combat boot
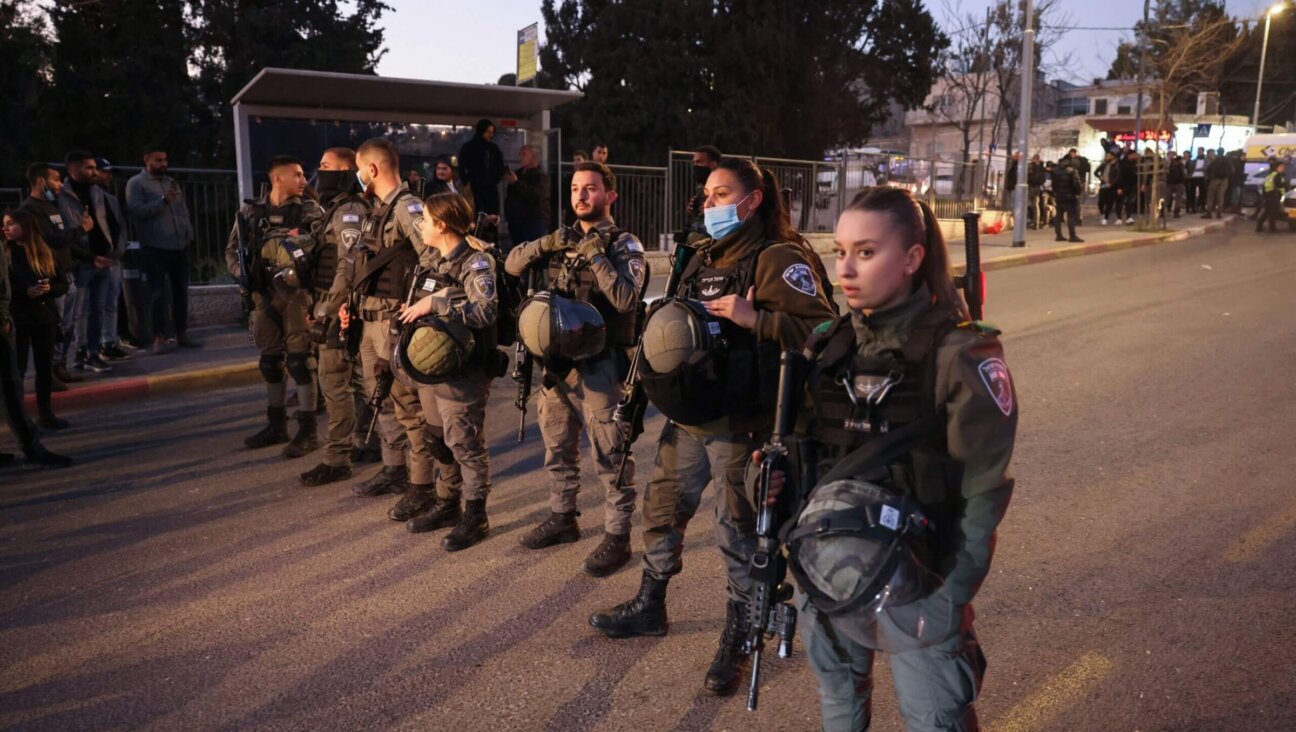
416, 502
391, 479
274, 433
473, 527
323, 474
445, 512
730, 662
610, 555
644, 614
559, 528
306, 440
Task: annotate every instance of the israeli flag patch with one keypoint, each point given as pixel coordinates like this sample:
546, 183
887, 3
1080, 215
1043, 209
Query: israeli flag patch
479, 264
801, 279
350, 218
415, 208
633, 245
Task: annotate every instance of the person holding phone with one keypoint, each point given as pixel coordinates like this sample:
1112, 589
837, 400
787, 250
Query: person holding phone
37, 281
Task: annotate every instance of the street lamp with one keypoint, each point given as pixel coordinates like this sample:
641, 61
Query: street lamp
1264, 49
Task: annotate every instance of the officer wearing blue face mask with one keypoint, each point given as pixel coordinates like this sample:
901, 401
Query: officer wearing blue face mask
758, 289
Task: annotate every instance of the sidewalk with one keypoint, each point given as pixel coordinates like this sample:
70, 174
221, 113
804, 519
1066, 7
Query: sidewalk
229, 359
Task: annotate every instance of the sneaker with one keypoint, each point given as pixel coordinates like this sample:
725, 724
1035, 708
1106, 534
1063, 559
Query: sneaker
1129, 220
1102, 222
112, 352
97, 364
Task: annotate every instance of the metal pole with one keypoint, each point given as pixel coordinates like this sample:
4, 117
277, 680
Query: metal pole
1264, 49
1138, 104
1028, 84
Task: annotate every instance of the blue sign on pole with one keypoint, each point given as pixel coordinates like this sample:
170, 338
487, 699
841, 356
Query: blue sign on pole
1202, 130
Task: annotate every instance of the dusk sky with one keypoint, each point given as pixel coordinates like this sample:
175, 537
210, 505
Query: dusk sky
475, 42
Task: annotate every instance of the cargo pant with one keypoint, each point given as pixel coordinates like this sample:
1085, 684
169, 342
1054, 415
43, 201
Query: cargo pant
343, 401
373, 345
936, 686
588, 395
280, 331
1215, 196
686, 463
456, 409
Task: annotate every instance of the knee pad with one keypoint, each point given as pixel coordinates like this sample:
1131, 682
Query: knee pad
301, 366
271, 368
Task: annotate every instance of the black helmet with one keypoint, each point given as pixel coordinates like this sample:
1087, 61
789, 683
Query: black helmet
854, 552
431, 350
557, 329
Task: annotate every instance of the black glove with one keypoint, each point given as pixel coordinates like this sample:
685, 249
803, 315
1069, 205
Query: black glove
382, 369
592, 245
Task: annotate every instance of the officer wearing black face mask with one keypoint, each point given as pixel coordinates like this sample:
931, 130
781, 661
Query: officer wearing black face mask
705, 160
345, 210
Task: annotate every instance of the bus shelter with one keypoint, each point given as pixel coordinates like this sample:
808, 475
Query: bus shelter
298, 112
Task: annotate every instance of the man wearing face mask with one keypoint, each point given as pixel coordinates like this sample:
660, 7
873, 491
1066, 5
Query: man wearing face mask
344, 213
599, 264
277, 233
705, 160
164, 229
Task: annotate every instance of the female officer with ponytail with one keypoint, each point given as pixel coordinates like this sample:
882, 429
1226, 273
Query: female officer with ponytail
911, 430
710, 359
458, 287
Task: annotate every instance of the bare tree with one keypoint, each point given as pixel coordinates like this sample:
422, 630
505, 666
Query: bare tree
1006, 21
968, 79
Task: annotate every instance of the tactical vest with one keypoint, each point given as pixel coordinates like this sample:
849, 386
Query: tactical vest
573, 278
485, 340
268, 230
740, 379
397, 266
858, 399
326, 259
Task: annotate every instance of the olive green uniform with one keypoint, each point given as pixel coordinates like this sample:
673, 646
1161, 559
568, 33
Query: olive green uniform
688, 458
281, 303
462, 287
587, 395
340, 378
936, 685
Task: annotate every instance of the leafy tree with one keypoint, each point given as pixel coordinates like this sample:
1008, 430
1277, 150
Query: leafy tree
24, 75
236, 39
763, 75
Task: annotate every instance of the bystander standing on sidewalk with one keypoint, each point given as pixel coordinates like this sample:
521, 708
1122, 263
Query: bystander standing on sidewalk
1237, 181
1127, 187
1176, 184
110, 346
526, 206
481, 165
162, 226
62, 238
35, 283
1196, 188
1218, 172
1108, 172
81, 199
1035, 178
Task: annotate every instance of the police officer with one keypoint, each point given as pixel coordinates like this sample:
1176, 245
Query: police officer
344, 213
458, 287
382, 271
276, 231
600, 264
1066, 190
1272, 191
913, 423
760, 292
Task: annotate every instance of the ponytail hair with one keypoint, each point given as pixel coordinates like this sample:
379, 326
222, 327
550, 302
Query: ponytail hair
453, 210
776, 222
916, 223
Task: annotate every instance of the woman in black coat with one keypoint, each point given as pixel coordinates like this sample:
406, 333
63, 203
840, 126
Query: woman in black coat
37, 281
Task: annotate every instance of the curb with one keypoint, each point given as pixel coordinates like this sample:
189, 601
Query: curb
217, 377
223, 377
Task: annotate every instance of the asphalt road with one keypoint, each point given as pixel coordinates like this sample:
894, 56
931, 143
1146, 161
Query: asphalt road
1143, 579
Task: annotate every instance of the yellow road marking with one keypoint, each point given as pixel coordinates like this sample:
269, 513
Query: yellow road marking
1259, 538
1061, 692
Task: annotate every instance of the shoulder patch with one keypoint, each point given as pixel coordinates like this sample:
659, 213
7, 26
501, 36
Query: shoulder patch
994, 374
801, 279
479, 263
415, 208
350, 218
632, 244
350, 237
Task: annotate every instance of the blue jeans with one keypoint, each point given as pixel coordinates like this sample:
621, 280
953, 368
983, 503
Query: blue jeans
111, 298
93, 285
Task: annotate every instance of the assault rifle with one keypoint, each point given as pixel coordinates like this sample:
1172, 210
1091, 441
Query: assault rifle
630, 410
523, 366
770, 613
244, 261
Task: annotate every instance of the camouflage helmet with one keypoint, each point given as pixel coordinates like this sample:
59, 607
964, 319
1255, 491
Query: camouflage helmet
431, 350
677, 332
853, 552
289, 263
555, 328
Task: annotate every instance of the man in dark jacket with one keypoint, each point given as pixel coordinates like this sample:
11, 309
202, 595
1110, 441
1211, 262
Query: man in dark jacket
1218, 172
526, 207
1176, 183
481, 165
1127, 187
1035, 178
1066, 190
